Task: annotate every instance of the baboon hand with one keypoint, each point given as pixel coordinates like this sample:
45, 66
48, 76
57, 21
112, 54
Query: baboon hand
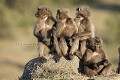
46, 41
105, 63
95, 66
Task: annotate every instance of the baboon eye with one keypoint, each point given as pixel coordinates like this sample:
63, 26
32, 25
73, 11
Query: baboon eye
46, 9
78, 9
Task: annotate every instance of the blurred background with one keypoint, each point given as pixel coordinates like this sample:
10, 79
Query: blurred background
18, 45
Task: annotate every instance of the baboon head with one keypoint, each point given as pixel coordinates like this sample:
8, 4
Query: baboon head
94, 43
82, 12
62, 14
43, 12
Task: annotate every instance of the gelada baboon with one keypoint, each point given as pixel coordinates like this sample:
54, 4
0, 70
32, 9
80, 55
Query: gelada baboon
94, 59
85, 30
43, 30
118, 69
65, 28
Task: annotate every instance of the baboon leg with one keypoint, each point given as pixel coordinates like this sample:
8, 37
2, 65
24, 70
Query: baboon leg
106, 70
63, 47
41, 49
100, 68
83, 47
57, 49
89, 72
56, 46
78, 54
74, 48
46, 50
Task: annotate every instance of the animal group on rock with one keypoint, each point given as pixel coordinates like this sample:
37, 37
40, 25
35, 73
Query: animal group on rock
67, 37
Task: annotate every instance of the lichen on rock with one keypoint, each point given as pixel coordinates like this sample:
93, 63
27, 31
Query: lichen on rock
40, 69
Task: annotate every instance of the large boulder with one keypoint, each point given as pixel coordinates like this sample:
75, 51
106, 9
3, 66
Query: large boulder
39, 69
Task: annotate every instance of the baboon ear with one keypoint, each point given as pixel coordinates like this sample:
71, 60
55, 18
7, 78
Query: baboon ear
47, 8
78, 9
88, 12
59, 10
39, 7
98, 39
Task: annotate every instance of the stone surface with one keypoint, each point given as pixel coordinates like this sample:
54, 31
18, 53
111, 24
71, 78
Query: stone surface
39, 69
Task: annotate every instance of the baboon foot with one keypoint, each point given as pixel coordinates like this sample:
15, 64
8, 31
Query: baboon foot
106, 70
58, 57
95, 66
78, 54
106, 63
89, 72
71, 56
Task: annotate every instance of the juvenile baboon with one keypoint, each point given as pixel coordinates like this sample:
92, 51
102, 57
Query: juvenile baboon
118, 69
94, 59
43, 30
85, 30
65, 28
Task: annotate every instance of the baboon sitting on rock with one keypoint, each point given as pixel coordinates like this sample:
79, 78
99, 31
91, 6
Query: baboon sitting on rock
43, 30
65, 28
85, 30
94, 59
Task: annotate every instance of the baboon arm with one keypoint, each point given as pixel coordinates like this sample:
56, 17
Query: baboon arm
89, 31
37, 29
59, 29
56, 46
73, 25
87, 56
36, 32
85, 33
103, 55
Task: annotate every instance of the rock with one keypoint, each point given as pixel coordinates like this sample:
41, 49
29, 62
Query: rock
39, 69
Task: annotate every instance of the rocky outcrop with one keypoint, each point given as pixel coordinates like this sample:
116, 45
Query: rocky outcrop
39, 69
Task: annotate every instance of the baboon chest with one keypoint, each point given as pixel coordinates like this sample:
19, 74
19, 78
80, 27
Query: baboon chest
46, 30
94, 57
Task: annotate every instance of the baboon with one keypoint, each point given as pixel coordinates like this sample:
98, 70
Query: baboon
94, 59
65, 28
85, 30
43, 30
118, 69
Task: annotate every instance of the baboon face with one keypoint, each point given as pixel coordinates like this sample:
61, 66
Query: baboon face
78, 17
62, 14
94, 43
83, 11
43, 12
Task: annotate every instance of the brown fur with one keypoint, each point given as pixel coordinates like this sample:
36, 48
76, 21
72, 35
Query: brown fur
118, 69
85, 29
43, 30
95, 59
65, 28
